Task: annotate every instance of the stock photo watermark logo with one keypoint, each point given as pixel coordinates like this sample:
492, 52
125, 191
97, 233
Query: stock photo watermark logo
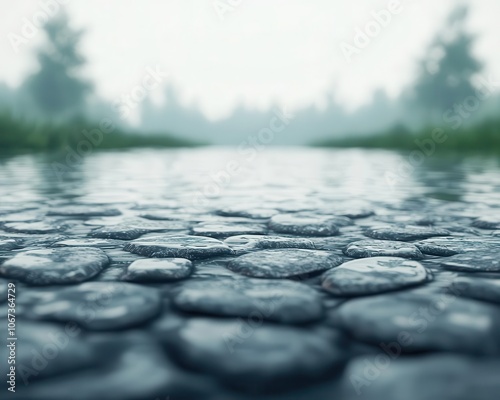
129, 101
459, 112
417, 323
122, 106
264, 311
246, 327
454, 117
58, 341
247, 151
223, 7
364, 35
31, 26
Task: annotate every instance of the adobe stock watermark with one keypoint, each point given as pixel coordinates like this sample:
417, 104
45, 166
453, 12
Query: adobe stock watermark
30, 27
417, 323
459, 112
247, 326
58, 341
223, 7
122, 106
247, 152
364, 35
151, 80
454, 117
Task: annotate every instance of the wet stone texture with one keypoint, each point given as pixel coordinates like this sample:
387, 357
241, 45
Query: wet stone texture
375, 248
190, 247
245, 243
479, 262
270, 358
306, 224
373, 275
284, 301
300, 280
479, 288
42, 339
50, 266
158, 269
450, 246
283, 263
221, 230
406, 233
99, 305
118, 232
423, 322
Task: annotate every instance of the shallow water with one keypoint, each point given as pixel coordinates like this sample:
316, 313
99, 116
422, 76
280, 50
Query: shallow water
203, 327
209, 177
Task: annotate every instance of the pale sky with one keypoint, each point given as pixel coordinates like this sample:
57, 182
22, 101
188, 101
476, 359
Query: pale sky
259, 53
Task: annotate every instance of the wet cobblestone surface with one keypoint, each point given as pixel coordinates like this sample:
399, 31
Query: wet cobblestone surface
306, 275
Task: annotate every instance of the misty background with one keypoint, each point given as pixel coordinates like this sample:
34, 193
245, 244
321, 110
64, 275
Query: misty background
217, 73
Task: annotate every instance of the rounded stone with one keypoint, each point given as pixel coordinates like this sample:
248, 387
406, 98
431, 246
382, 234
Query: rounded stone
250, 242
181, 246
479, 288
55, 266
282, 301
283, 263
158, 270
454, 245
224, 230
423, 322
121, 359
119, 232
49, 350
373, 275
101, 305
305, 224
256, 356
380, 248
472, 262
405, 234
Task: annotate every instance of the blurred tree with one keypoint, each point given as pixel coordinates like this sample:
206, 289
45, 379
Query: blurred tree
56, 88
446, 71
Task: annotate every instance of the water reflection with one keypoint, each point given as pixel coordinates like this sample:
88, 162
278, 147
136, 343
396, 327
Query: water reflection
210, 177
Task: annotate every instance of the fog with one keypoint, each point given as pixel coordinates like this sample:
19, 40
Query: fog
218, 73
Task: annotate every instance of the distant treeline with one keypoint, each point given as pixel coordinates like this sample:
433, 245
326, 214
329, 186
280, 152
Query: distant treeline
17, 135
483, 137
